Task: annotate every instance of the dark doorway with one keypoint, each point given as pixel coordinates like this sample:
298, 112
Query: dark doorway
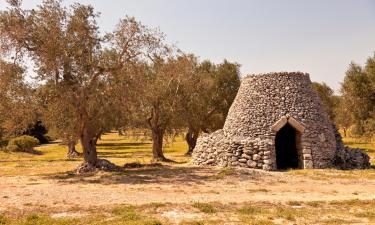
286, 148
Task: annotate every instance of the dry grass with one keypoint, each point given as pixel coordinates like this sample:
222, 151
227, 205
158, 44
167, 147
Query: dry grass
329, 174
118, 149
278, 194
336, 212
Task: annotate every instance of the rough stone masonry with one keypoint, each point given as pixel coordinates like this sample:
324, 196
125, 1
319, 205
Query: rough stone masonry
265, 104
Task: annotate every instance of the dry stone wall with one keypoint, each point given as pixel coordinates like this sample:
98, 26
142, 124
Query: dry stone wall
349, 158
263, 105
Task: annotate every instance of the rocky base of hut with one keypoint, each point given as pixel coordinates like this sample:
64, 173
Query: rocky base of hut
218, 150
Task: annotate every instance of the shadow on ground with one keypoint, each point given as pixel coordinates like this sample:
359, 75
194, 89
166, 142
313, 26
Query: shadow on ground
161, 174
122, 146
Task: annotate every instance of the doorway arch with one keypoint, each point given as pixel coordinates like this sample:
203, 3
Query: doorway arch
287, 145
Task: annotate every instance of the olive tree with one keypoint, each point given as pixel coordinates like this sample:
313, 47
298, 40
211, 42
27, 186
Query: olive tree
155, 104
328, 98
76, 63
207, 92
17, 108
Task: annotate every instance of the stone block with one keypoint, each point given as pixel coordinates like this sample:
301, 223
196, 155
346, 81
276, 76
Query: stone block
266, 167
256, 157
307, 156
279, 124
242, 160
251, 163
306, 150
245, 156
307, 164
297, 125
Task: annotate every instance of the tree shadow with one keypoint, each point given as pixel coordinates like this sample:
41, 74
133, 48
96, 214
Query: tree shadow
47, 160
128, 150
107, 142
126, 144
154, 173
30, 151
122, 146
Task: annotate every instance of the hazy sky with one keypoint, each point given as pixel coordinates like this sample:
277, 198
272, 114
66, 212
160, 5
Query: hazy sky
320, 37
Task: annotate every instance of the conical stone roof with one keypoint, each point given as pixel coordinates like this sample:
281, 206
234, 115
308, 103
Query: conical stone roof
264, 105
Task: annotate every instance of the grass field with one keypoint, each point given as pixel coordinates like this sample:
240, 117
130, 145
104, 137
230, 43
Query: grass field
117, 149
43, 189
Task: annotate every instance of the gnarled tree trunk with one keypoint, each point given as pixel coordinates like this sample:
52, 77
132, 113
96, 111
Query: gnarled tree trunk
191, 139
88, 146
157, 144
91, 161
98, 136
72, 152
158, 127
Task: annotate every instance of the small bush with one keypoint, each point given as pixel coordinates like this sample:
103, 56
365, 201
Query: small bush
48, 138
204, 207
127, 213
3, 220
3, 143
12, 148
194, 222
286, 213
22, 143
249, 210
314, 203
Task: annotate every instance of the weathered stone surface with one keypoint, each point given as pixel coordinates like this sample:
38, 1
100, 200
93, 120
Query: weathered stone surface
349, 158
307, 164
263, 105
102, 164
242, 160
280, 123
251, 163
307, 156
256, 157
297, 125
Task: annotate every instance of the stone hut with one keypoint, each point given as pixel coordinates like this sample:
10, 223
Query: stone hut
277, 122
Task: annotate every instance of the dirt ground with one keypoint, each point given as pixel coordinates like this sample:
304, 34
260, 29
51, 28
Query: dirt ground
181, 184
44, 189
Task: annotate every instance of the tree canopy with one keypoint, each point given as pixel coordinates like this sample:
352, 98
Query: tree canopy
77, 64
87, 83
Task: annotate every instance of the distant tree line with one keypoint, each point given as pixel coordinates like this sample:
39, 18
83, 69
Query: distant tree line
354, 108
87, 83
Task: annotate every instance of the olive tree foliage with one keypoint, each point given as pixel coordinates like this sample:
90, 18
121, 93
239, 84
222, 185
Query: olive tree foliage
369, 70
328, 98
82, 71
17, 108
207, 92
343, 117
155, 104
175, 91
358, 94
356, 108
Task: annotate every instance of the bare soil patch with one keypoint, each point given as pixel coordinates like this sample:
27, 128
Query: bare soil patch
178, 184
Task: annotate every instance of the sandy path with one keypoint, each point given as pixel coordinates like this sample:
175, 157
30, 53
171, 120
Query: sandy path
181, 185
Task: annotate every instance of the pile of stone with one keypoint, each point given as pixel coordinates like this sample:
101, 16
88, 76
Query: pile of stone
216, 149
349, 158
101, 165
263, 105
